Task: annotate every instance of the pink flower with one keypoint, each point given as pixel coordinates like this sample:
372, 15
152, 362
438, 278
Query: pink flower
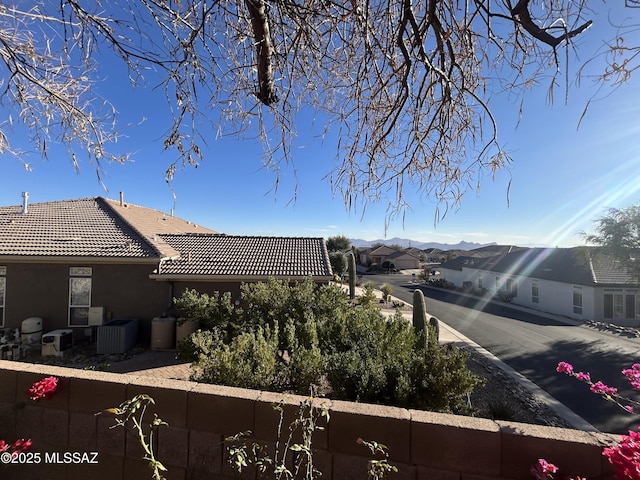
43, 389
628, 408
633, 375
584, 377
16, 447
564, 367
21, 445
625, 457
600, 387
543, 470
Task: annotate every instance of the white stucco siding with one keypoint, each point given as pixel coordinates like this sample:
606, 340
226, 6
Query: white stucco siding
457, 277
556, 298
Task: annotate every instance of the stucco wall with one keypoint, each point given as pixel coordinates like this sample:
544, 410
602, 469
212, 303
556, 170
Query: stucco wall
423, 445
42, 290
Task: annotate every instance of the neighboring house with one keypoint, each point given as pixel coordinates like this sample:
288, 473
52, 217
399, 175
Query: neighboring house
401, 259
571, 282
77, 262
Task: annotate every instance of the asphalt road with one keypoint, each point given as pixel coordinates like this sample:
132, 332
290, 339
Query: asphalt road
533, 344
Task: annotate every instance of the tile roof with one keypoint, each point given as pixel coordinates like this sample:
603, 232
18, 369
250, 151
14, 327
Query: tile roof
567, 265
247, 256
88, 227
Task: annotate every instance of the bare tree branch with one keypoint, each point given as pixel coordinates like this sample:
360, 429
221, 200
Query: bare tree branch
404, 85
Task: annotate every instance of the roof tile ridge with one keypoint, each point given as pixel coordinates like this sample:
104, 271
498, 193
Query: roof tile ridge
111, 209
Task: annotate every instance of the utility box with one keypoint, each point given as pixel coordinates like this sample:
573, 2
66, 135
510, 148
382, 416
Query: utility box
117, 336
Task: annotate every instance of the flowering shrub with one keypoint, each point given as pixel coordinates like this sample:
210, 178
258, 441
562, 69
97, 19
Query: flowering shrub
16, 447
43, 389
544, 470
608, 393
625, 456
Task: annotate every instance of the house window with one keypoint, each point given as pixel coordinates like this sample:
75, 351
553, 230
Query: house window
479, 283
512, 287
79, 295
3, 289
535, 293
618, 306
577, 302
630, 307
498, 284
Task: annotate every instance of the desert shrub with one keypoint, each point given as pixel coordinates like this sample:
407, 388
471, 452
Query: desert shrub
368, 296
441, 283
249, 361
297, 335
386, 289
441, 380
215, 311
305, 368
278, 305
374, 359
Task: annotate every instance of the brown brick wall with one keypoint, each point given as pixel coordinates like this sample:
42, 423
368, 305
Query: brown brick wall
423, 445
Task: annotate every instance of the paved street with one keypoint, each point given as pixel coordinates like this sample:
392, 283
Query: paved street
533, 344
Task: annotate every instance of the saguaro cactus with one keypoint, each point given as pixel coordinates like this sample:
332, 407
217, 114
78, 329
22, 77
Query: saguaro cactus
419, 310
352, 276
435, 324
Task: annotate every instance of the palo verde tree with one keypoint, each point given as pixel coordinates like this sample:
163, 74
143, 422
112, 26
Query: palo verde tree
617, 234
405, 85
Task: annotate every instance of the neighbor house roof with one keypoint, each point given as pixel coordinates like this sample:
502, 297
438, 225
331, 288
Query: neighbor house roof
88, 227
245, 257
567, 265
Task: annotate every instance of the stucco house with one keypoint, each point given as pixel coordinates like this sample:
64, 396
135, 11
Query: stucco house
76, 263
401, 259
571, 282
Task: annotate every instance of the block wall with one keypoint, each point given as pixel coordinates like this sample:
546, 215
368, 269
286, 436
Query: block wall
423, 445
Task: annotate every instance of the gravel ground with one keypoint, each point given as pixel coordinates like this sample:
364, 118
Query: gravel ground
503, 398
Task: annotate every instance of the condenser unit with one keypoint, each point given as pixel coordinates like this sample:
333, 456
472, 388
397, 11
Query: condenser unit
117, 336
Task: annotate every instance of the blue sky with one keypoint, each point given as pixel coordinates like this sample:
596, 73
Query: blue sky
562, 177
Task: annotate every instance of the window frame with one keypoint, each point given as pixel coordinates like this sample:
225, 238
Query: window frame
79, 276
535, 292
577, 301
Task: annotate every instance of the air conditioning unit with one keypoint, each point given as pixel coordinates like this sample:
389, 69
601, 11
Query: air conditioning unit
56, 342
117, 336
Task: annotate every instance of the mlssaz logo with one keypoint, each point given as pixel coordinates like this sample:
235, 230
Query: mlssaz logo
71, 457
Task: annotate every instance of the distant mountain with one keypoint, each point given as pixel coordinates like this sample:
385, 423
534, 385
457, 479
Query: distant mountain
405, 242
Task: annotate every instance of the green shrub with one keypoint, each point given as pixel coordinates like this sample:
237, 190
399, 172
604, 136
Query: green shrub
298, 335
373, 359
215, 311
368, 296
249, 361
386, 289
304, 369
